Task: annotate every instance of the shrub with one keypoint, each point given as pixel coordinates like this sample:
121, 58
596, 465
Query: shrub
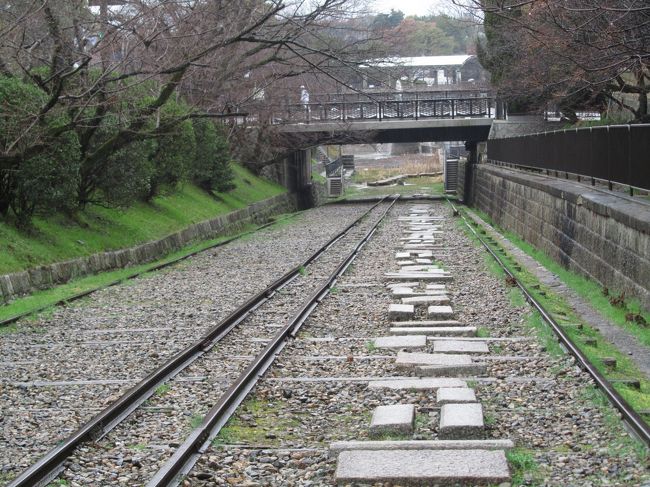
175, 149
211, 168
124, 176
47, 181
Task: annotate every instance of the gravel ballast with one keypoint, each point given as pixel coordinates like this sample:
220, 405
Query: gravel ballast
316, 393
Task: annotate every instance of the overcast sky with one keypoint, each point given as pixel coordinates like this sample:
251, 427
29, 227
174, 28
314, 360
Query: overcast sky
409, 7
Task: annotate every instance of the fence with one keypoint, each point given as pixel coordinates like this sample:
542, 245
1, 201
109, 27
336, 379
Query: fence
616, 153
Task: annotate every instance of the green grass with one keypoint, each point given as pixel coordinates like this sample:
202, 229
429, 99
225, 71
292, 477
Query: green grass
196, 420
370, 346
163, 389
137, 447
315, 175
265, 422
483, 332
96, 229
522, 462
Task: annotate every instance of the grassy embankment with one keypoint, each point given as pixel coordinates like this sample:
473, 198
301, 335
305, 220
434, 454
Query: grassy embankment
98, 229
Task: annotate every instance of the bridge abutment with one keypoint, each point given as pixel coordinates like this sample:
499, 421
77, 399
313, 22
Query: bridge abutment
297, 178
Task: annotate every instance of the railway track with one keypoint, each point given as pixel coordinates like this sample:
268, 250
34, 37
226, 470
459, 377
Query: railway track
223, 364
322, 389
312, 364
629, 416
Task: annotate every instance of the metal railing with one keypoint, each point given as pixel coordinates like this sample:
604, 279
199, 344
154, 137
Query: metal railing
616, 153
334, 168
369, 95
379, 110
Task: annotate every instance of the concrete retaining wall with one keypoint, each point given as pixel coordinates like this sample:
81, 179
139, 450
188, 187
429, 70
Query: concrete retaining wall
597, 234
43, 277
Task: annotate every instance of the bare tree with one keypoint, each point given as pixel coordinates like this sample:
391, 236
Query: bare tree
128, 60
580, 49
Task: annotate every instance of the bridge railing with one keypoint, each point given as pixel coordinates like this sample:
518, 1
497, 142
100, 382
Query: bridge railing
368, 95
615, 154
379, 110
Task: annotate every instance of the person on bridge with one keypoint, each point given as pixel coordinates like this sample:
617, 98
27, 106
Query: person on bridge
304, 99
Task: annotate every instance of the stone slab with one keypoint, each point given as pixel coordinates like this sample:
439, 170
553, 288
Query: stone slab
423, 261
405, 262
428, 384
426, 323
419, 235
461, 421
458, 346
424, 276
440, 311
470, 370
338, 446
394, 418
402, 291
399, 312
422, 467
410, 359
410, 291
391, 285
440, 299
457, 395
436, 286
413, 341
420, 246
437, 331
403, 255
421, 268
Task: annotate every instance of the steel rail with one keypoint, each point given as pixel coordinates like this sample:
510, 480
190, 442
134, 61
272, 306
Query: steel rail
631, 418
51, 464
157, 267
199, 440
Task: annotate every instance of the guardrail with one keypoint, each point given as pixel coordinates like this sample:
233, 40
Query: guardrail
617, 154
379, 110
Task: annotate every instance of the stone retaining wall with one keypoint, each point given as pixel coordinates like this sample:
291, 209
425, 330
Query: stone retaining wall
43, 277
597, 234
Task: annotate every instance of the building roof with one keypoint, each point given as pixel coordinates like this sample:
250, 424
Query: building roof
420, 61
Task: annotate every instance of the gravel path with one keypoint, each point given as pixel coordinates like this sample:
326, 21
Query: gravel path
316, 392
63, 366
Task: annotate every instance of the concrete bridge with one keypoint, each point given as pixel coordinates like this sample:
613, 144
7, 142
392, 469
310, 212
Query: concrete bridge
395, 117
392, 118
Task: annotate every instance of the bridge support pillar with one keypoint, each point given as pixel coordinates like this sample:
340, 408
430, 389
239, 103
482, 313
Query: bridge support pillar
472, 159
299, 177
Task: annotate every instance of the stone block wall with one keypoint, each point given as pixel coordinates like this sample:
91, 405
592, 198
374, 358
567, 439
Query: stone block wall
597, 234
43, 277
